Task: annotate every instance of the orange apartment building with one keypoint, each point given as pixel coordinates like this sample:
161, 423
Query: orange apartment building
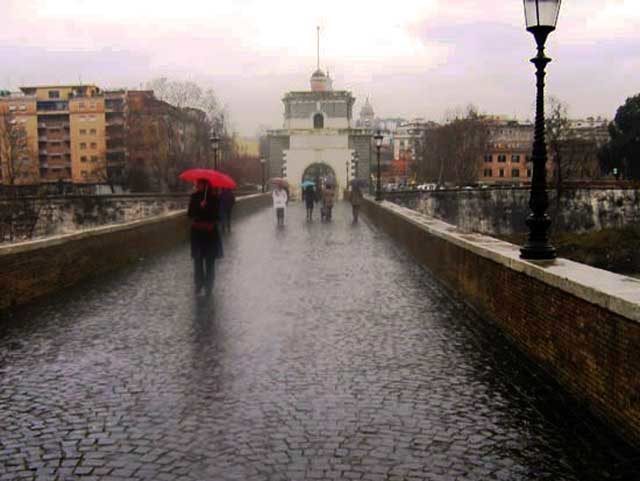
80, 134
66, 131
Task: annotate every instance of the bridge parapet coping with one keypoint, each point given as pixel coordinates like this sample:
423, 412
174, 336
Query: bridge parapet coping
614, 292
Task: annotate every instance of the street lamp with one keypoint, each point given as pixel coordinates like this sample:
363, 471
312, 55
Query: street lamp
263, 164
346, 166
356, 159
378, 138
541, 17
215, 142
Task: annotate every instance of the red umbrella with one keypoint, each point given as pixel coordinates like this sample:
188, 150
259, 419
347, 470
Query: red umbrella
215, 178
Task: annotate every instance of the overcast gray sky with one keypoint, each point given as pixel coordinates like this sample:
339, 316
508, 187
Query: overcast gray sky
412, 57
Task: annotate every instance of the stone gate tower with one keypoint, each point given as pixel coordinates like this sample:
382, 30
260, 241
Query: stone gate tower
317, 131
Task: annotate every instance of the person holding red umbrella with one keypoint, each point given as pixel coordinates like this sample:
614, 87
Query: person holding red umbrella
206, 244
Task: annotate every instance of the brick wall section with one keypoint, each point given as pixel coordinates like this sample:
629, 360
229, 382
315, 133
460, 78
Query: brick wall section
32, 269
588, 340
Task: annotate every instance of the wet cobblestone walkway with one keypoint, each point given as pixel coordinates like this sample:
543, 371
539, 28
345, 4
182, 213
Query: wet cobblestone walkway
325, 353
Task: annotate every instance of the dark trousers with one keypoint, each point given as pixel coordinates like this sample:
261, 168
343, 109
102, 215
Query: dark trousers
226, 226
204, 271
309, 211
280, 215
355, 209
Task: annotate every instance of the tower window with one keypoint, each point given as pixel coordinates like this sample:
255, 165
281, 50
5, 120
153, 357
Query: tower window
318, 121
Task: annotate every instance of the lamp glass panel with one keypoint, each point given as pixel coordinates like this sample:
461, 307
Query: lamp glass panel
541, 13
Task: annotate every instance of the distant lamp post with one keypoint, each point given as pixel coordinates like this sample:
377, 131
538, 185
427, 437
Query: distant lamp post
616, 173
346, 168
215, 143
356, 159
263, 164
541, 17
378, 138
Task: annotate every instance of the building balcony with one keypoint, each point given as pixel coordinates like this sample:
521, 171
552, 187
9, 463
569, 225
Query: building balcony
53, 125
53, 107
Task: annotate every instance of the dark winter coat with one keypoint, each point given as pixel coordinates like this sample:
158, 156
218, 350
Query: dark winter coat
309, 196
205, 239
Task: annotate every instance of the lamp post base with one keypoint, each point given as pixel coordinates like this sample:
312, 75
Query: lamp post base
535, 252
538, 247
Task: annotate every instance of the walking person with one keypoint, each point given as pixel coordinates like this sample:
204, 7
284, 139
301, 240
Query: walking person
205, 239
227, 201
280, 200
309, 197
328, 196
356, 200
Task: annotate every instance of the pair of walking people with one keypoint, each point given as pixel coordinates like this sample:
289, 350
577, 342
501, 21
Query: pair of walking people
327, 199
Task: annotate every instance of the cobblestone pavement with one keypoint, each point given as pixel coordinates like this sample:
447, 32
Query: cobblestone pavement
324, 353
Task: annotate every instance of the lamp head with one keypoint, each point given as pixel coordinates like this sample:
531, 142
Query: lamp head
215, 140
378, 138
541, 13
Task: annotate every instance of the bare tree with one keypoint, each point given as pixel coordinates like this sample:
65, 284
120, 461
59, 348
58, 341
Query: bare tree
189, 95
16, 158
19, 211
452, 153
574, 156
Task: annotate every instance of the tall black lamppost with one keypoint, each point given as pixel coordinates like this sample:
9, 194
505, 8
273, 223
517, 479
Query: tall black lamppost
541, 17
356, 159
263, 164
378, 138
215, 142
346, 166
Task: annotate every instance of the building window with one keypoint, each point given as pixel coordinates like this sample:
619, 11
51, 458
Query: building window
23, 108
94, 145
83, 146
528, 172
501, 172
83, 132
12, 108
488, 173
94, 158
83, 158
488, 158
83, 173
515, 172
81, 105
93, 131
54, 94
502, 158
318, 121
515, 158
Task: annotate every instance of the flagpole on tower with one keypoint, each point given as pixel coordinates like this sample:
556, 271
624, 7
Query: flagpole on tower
318, 57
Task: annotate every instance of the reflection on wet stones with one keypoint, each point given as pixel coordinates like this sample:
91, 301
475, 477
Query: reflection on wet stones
325, 353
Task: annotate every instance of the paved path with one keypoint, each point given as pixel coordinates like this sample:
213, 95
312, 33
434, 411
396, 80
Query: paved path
325, 353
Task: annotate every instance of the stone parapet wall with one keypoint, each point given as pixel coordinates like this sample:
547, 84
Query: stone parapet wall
34, 217
502, 211
580, 324
32, 269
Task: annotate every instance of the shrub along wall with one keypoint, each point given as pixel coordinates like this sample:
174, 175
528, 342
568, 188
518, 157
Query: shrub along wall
581, 324
32, 269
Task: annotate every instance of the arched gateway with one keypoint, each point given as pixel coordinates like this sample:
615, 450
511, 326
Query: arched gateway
317, 131
320, 174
